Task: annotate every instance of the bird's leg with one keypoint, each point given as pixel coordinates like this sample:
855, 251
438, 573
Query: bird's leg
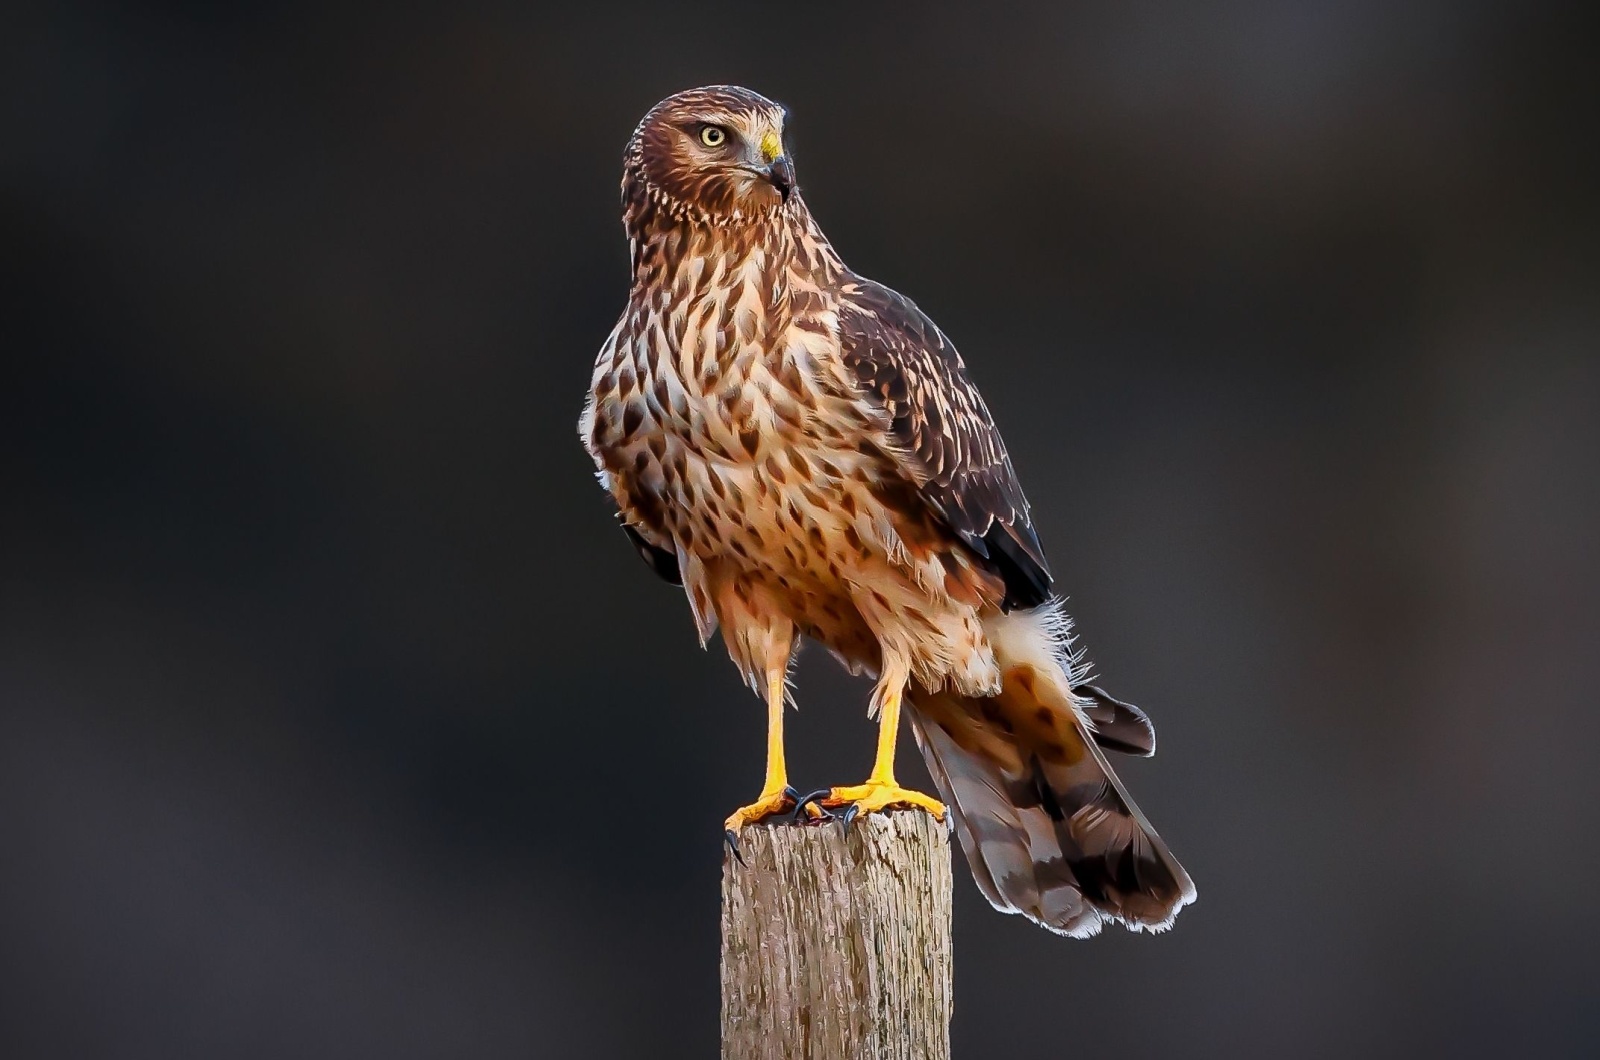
776, 795
881, 791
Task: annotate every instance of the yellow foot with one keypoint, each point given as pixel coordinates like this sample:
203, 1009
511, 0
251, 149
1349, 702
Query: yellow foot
767, 805
872, 797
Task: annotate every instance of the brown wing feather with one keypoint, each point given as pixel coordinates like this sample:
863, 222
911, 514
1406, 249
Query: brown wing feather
1118, 726
947, 439
664, 563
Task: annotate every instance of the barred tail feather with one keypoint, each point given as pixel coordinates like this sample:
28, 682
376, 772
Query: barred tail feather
1048, 828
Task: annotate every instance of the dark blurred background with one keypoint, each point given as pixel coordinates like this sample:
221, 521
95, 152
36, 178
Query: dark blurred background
338, 720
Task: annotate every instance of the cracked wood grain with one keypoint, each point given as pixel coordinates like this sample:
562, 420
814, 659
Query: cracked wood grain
836, 944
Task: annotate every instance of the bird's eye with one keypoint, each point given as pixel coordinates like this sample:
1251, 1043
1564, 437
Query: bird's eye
713, 136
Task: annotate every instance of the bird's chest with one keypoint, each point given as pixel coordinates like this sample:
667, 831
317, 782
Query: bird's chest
733, 444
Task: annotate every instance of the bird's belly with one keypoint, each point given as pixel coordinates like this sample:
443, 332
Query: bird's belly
804, 530
811, 560
790, 513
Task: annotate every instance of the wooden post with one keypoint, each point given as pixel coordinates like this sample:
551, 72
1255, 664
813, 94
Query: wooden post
835, 943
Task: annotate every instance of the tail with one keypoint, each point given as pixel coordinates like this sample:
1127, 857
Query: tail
1047, 826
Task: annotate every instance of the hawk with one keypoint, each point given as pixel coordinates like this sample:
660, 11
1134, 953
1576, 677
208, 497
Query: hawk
801, 449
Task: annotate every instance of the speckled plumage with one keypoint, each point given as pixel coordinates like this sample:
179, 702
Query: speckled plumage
802, 449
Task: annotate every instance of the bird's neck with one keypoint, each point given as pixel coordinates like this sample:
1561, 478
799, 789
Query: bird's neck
689, 255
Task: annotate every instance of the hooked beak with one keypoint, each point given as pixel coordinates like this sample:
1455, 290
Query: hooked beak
780, 172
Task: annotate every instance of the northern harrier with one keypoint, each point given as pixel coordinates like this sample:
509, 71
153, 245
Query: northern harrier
800, 448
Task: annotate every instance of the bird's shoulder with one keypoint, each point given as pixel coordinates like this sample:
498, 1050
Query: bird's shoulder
879, 325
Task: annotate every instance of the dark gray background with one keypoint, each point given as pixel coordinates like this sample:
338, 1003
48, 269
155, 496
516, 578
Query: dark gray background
336, 719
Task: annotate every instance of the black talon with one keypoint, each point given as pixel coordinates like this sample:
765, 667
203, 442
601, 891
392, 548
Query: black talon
800, 804
850, 815
733, 845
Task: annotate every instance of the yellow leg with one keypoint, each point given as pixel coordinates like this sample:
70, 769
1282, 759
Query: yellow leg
775, 795
881, 790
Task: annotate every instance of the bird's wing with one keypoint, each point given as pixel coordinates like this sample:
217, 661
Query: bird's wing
1118, 726
948, 445
661, 561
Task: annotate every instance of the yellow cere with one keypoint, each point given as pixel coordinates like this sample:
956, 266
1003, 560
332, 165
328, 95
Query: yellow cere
771, 146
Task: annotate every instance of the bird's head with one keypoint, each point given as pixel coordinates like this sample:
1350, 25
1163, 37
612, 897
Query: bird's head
714, 154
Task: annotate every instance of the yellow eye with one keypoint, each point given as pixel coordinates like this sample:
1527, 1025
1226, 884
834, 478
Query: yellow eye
713, 136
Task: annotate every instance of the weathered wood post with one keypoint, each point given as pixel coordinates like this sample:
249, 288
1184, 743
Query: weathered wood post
836, 943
